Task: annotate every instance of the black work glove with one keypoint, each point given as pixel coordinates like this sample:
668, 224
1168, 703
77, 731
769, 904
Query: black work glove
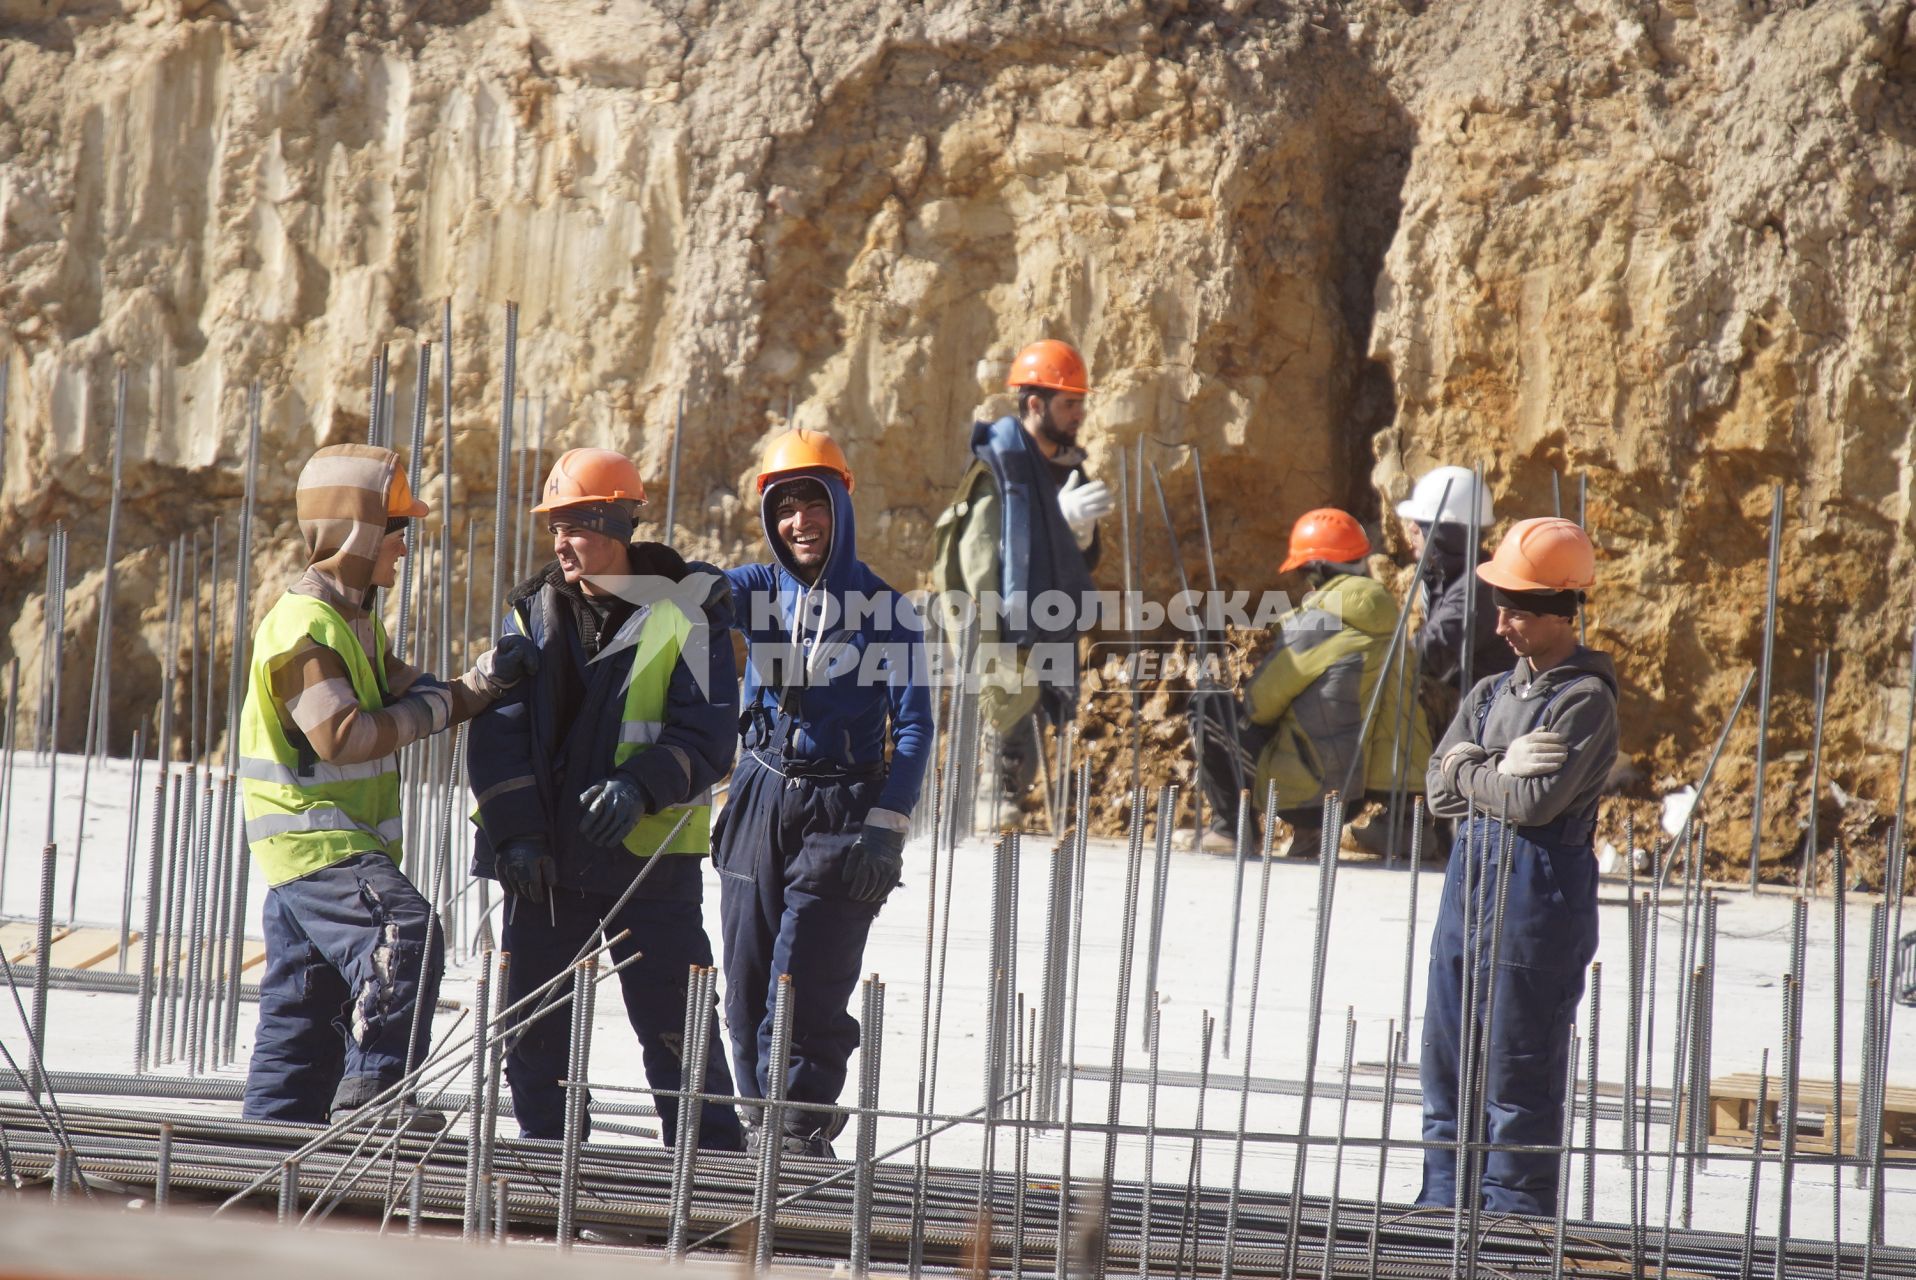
511, 660
612, 809
525, 867
875, 863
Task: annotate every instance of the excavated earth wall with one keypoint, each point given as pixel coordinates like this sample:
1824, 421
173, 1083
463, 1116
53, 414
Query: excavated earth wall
1661, 249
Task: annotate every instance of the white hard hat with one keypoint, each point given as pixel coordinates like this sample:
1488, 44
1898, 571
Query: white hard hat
1421, 506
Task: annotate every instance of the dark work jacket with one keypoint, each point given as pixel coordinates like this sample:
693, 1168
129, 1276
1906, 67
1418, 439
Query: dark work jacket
553, 735
1439, 642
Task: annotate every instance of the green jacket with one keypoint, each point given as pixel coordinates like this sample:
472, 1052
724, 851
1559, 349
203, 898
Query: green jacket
1314, 689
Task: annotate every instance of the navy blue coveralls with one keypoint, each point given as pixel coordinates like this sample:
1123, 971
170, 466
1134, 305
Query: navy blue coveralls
825, 680
1548, 938
531, 755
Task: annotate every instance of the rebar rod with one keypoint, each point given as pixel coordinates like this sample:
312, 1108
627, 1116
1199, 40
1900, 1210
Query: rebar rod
1417, 826
1240, 854
1328, 1266
771, 1141
1806, 872
672, 472
575, 1103
99, 689
1333, 825
482, 987
1763, 696
495, 603
6, 767
1250, 1032
1134, 858
421, 396
1160, 885
132, 849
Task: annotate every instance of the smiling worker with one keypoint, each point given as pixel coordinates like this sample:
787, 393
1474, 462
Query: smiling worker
811, 841
1536, 742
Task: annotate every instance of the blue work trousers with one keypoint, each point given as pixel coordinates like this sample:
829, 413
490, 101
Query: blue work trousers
780, 847
345, 950
1523, 1006
669, 938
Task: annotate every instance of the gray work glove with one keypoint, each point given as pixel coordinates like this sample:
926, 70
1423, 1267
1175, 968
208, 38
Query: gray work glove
1535, 754
876, 860
612, 809
525, 867
510, 661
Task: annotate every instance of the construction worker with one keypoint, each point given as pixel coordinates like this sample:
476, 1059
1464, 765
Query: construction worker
1024, 523
583, 777
327, 709
811, 840
1534, 745
1456, 616
1303, 713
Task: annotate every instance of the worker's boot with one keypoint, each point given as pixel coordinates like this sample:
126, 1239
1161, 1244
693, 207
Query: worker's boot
1219, 841
356, 1092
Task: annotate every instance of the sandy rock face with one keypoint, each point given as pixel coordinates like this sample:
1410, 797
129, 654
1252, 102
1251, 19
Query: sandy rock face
1670, 257
1326, 245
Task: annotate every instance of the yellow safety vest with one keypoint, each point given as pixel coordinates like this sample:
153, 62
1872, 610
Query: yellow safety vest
661, 640
302, 817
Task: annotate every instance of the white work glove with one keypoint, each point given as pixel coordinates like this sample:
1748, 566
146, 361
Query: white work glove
1455, 758
1082, 502
1535, 754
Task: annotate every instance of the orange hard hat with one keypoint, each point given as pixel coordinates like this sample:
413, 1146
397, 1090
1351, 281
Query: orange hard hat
399, 500
1050, 363
1548, 553
803, 449
1325, 534
591, 475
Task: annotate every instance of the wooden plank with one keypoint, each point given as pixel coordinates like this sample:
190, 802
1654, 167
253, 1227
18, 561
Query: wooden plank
21, 940
1809, 1093
84, 948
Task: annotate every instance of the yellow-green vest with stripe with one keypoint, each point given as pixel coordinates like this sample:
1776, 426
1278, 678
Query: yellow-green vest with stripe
654, 656
302, 817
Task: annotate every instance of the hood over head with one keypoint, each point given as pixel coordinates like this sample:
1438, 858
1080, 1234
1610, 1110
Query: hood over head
1364, 604
341, 504
841, 556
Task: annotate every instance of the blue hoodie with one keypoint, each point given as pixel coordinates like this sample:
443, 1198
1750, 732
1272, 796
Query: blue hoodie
855, 677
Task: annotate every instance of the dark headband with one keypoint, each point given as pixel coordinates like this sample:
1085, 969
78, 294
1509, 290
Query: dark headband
1562, 604
613, 519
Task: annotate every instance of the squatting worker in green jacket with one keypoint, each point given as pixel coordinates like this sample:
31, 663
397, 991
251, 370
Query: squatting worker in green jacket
327, 709
1304, 708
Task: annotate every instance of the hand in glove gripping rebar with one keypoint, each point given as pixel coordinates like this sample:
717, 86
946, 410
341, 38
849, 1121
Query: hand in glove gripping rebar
612, 809
1534, 754
525, 867
876, 860
1082, 502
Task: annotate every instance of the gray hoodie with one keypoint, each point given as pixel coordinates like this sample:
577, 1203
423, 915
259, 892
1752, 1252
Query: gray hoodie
1578, 699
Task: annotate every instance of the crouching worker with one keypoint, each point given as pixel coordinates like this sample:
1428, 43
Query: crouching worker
327, 709
812, 838
1536, 743
1303, 718
584, 775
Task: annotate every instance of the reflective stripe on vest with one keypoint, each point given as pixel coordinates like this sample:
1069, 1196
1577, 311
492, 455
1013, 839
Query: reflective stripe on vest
655, 654
302, 817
